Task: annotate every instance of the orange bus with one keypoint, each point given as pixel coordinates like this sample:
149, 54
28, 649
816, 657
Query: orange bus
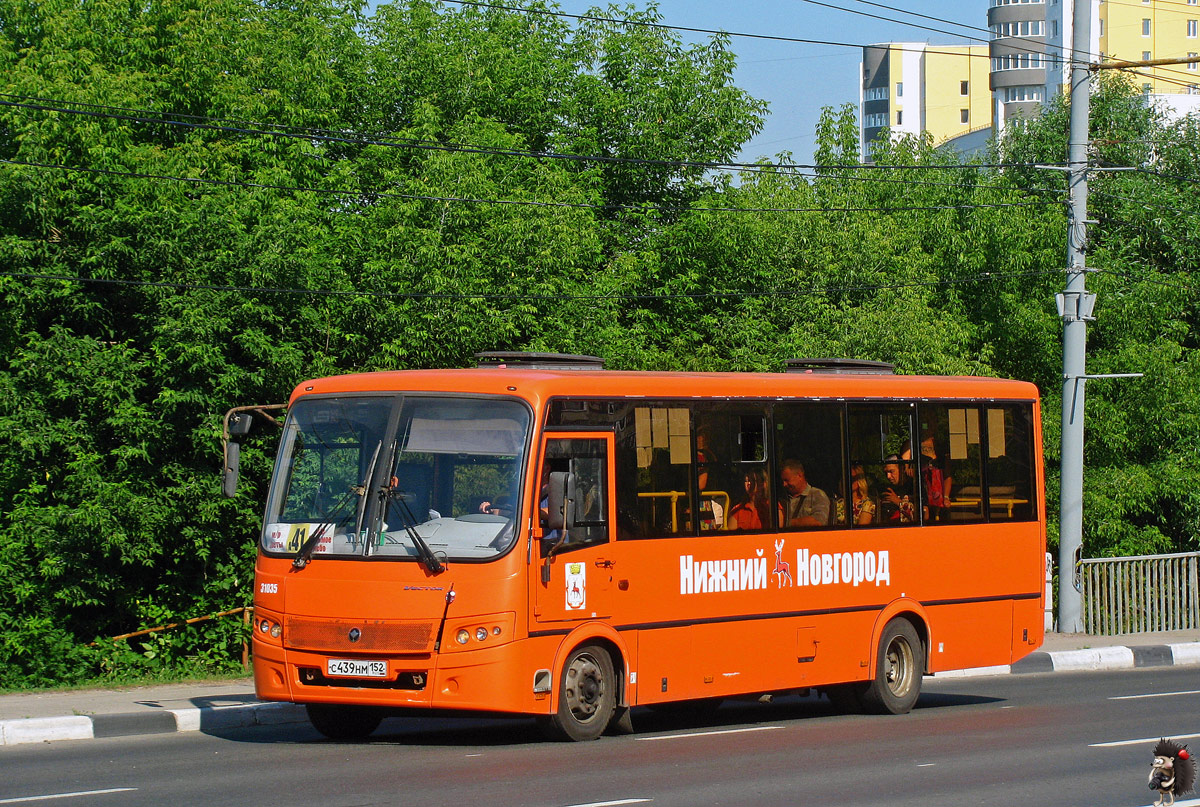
541, 536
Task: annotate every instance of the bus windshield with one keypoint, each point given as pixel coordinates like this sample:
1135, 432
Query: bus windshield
378, 476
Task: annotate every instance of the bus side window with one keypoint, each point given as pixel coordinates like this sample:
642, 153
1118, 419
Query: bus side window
1010, 482
881, 445
811, 489
663, 467
951, 462
587, 460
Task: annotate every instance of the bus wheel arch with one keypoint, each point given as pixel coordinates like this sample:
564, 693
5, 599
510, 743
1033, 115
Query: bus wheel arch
916, 616
900, 661
590, 693
585, 695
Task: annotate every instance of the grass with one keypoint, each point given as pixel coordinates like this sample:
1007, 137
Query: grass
129, 681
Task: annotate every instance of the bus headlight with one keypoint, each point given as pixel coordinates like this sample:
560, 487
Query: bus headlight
479, 632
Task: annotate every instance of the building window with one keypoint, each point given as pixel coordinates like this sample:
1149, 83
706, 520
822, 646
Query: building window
1146, 88
964, 115
899, 117
962, 88
1145, 27
1027, 93
1191, 65
1145, 56
899, 89
1191, 29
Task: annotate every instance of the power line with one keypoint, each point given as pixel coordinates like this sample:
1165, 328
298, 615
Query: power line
325, 135
898, 22
709, 31
519, 202
409, 295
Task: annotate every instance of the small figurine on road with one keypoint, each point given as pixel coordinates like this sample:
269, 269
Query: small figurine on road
1173, 772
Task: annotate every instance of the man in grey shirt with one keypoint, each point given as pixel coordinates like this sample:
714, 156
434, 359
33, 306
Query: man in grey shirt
804, 505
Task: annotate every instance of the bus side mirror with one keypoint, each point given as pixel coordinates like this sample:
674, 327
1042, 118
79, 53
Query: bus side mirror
237, 424
229, 483
560, 509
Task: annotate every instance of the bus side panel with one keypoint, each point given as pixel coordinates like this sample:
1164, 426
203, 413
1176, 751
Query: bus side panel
1029, 627
966, 635
739, 657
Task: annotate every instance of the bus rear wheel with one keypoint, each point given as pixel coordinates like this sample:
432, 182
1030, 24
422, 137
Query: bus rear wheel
339, 722
587, 696
898, 670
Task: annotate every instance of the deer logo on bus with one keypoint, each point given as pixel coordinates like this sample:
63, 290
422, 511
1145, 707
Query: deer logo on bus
782, 569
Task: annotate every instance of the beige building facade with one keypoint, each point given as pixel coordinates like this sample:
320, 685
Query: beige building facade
914, 87
961, 93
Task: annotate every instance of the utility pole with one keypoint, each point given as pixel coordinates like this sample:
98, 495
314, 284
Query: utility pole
1075, 307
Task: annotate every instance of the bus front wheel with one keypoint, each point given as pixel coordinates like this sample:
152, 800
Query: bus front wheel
343, 722
898, 671
587, 696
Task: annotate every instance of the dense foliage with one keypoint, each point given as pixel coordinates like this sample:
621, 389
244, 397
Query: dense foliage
204, 202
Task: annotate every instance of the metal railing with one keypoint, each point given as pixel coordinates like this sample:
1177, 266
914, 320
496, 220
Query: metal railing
1141, 594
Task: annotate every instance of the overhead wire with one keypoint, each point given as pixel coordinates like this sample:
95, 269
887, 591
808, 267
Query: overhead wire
329, 136
787, 292
255, 128
517, 202
695, 30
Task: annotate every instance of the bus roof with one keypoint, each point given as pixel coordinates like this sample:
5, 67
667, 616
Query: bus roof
543, 384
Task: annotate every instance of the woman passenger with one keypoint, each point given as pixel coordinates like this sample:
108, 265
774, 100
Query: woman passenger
748, 513
861, 503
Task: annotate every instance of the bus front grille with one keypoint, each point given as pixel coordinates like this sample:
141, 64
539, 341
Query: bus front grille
364, 636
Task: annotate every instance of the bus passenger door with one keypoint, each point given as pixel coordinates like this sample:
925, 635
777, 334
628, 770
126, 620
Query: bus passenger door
573, 579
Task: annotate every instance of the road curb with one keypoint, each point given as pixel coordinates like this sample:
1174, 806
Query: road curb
167, 721
1092, 659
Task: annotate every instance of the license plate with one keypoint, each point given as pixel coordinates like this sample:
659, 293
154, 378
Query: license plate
353, 668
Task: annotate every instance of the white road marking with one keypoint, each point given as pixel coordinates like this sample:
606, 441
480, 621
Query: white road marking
1150, 740
926, 764
709, 733
23, 799
1153, 695
637, 801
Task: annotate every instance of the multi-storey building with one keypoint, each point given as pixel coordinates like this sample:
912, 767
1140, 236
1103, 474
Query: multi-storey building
1027, 62
913, 87
1021, 32
1130, 30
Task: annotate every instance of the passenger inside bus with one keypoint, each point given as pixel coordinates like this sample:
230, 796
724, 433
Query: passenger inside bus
897, 497
863, 508
802, 505
748, 513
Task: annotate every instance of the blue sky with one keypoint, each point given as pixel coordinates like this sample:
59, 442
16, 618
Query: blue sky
798, 79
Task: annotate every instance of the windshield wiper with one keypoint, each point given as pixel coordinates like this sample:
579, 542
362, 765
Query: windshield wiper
327, 520
431, 561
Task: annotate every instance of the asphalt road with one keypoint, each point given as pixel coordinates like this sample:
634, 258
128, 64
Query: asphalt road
1055, 739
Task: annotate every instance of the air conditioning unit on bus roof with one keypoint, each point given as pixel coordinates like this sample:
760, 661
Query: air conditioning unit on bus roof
857, 366
537, 361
